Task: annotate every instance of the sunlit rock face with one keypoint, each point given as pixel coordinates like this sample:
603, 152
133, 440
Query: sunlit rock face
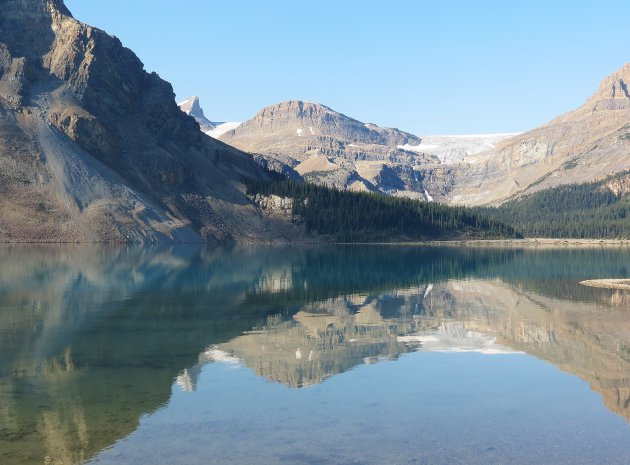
586, 144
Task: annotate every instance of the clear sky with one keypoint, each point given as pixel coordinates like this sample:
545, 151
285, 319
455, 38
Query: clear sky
428, 67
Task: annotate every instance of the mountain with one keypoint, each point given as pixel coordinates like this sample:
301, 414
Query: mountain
192, 108
583, 145
93, 148
327, 147
303, 119
324, 146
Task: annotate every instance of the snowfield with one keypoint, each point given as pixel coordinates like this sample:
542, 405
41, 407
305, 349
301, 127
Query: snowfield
454, 148
222, 128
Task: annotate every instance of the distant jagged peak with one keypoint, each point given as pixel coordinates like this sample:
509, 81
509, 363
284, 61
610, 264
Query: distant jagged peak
192, 107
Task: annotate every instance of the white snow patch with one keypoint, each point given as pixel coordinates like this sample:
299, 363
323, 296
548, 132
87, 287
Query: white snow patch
429, 198
455, 148
186, 103
311, 129
418, 148
222, 128
299, 132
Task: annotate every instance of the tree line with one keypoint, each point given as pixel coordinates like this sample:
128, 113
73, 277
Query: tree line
589, 210
344, 216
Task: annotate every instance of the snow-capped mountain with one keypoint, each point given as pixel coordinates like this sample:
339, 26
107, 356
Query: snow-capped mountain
192, 107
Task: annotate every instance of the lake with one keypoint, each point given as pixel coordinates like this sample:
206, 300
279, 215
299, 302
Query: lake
313, 355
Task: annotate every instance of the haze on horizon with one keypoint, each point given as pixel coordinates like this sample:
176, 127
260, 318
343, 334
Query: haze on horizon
424, 67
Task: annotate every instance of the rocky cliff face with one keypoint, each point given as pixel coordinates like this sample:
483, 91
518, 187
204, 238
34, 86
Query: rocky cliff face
613, 93
327, 147
583, 145
619, 186
93, 148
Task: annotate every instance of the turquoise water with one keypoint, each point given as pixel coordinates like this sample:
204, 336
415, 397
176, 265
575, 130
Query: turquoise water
337, 355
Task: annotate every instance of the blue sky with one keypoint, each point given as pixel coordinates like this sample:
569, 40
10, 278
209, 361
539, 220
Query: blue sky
428, 67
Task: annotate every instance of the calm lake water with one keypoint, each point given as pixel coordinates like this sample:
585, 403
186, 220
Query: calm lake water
338, 355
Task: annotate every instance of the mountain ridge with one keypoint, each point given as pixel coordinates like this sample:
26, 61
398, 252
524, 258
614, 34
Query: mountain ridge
327, 147
319, 119
582, 145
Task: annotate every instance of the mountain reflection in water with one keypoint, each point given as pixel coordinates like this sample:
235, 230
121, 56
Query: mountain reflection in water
92, 338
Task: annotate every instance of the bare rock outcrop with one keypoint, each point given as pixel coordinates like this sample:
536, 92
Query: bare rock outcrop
619, 186
275, 205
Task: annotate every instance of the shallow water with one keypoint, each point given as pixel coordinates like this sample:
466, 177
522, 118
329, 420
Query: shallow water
337, 355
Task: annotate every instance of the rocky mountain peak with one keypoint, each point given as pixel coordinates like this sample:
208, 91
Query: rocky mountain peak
300, 119
192, 107
33, 8
325, 146
297, 109
39, 16
613, 92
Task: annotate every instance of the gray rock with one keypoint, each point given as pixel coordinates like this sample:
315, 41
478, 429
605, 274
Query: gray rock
93, 148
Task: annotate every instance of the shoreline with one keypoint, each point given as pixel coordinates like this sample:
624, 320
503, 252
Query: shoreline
508, 243
538, 242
